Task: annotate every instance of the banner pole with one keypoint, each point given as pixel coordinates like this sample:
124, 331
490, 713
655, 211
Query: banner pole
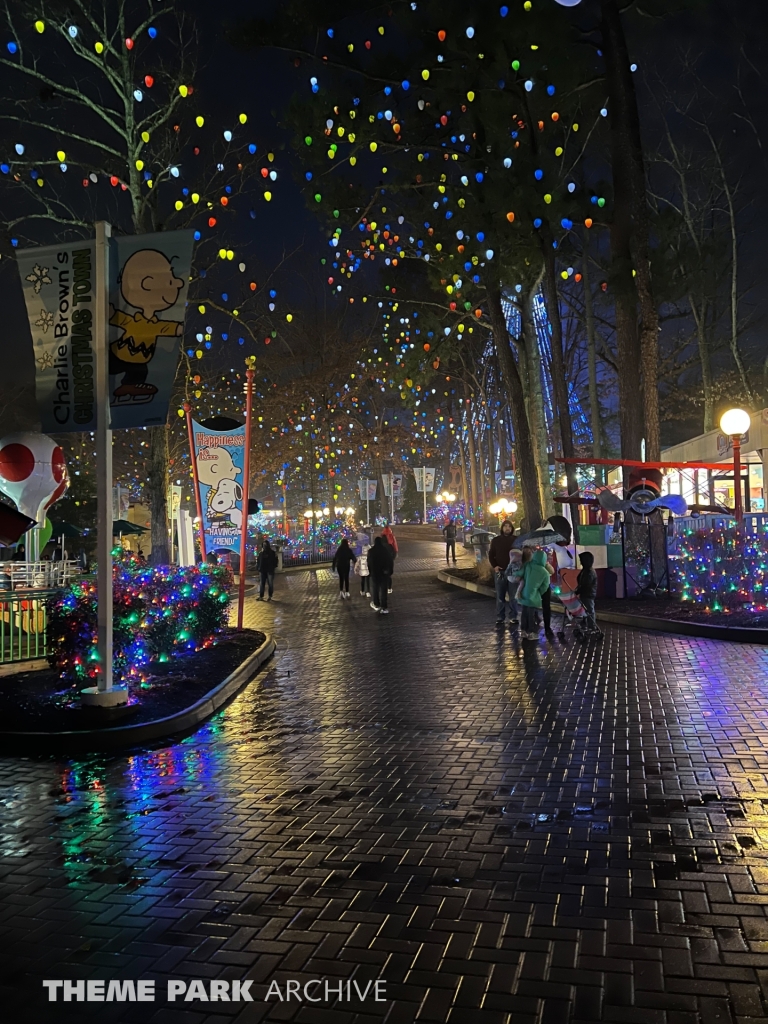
103, 457
424, 482
198, 503
246, 480
367, 503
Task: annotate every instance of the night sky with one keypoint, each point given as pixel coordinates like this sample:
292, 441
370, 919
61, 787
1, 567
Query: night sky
262, 82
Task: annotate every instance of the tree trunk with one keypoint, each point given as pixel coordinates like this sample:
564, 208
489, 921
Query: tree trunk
594, 398
481, 465
464, 480
559, 383
489, 428
471, 453
502, 442
535, 401
157, 485
625, 138
700, 318
524, 442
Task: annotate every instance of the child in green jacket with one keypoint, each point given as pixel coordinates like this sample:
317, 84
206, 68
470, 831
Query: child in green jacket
535, 583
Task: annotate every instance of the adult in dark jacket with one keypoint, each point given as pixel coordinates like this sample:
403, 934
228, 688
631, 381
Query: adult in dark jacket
266, 564
380, 562
498, 556
342, 560
449, 532
390, 539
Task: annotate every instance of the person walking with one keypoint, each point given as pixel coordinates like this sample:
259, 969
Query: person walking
266, 564
390, 539
342, 560
535, 583
380, 563
449, 532
498, 556
362, 570
586, 587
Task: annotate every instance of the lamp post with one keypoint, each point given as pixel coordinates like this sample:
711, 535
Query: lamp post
734, 424
503, 507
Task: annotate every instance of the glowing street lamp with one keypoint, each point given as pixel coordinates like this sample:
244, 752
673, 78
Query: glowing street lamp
734, 423
503, 508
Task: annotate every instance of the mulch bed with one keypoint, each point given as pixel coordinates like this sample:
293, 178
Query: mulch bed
665, 607
41, 701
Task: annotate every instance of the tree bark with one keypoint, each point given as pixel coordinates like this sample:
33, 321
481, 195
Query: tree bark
524, 442
489, 428
464, 479
700, 318
594, 398
639, 415
535, 400
471, 452
559, 383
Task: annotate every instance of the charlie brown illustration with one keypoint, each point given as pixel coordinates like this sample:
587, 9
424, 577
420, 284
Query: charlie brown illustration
149, 284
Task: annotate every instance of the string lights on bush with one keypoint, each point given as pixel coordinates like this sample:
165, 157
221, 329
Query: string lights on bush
159, 612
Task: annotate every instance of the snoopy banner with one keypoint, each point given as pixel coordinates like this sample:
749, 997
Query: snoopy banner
220, 457
149, 279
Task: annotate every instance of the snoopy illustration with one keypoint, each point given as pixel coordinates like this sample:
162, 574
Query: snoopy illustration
222, 503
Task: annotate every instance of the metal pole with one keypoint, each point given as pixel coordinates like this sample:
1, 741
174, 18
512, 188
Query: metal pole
392, 497
424, 485
103, 458
367, 503
246, 478
198, 503
738, 504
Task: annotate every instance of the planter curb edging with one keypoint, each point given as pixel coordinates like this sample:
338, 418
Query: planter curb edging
121, 736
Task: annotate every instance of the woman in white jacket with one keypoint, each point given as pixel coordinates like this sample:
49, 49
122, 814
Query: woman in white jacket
361, 568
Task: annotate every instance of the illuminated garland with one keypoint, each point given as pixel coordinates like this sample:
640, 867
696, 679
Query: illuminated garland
158, 613
722, 570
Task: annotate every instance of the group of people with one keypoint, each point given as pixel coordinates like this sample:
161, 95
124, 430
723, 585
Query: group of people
374, 565
523, 578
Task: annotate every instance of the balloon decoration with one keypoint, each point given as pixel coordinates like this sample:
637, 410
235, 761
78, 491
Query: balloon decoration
33, 472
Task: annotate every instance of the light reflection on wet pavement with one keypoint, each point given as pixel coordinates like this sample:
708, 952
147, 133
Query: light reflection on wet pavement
567, 833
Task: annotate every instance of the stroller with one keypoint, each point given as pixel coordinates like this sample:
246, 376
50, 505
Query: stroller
575, 615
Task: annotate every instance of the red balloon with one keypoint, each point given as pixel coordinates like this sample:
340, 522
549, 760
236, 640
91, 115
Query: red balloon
149, 81
58, 465
17, 462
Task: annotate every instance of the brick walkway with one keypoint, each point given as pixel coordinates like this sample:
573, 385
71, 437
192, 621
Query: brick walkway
568, 834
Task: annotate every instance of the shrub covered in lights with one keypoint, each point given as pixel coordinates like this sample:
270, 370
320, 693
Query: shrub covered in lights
723, 570
158, 612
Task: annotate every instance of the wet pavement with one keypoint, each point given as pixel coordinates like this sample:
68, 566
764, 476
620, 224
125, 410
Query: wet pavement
504, 836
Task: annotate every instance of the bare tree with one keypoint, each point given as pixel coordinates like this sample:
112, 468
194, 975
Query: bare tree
97, 93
